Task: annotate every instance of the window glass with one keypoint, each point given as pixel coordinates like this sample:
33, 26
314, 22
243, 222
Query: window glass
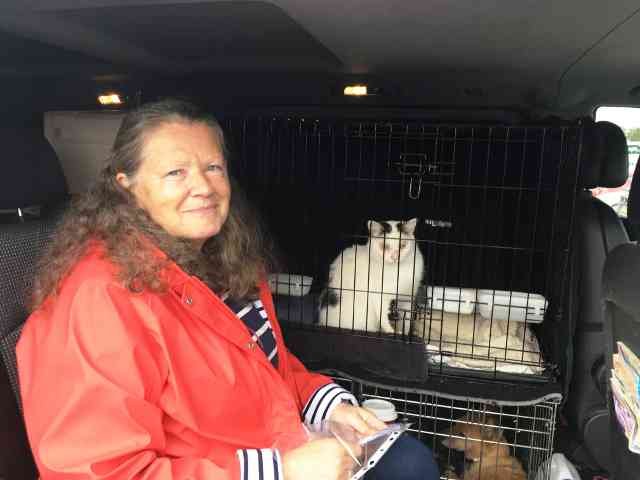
627, 118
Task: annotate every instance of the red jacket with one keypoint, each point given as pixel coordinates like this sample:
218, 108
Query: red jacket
122, 385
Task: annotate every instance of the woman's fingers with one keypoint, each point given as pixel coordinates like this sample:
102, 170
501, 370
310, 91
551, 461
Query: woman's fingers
360, 423
360, 419
373, 421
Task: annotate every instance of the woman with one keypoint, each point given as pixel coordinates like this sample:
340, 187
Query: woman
154, 350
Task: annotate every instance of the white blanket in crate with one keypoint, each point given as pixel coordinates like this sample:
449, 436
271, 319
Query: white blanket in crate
467, 341
490, 364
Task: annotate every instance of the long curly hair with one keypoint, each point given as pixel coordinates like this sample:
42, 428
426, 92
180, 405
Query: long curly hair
233, 261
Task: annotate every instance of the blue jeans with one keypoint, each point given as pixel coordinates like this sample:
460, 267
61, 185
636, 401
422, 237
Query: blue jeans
407, 459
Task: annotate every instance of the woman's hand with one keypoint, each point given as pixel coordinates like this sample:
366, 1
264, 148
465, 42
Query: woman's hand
360, 419
323, 459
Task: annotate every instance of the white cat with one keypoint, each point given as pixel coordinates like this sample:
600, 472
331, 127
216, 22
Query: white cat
371, 286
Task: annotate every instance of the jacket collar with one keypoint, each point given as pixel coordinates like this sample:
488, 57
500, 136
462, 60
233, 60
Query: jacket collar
204, 303
195, 296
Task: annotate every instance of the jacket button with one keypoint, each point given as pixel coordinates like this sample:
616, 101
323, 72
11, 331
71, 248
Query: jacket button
251, 345
188, 300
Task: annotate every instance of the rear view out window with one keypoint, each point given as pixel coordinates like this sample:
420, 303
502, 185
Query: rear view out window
627, 118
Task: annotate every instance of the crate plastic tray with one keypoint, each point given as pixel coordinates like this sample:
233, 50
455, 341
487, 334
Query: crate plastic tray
514, 306
451, 299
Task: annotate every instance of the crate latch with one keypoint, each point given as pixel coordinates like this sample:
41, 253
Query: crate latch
415, 166
415, 195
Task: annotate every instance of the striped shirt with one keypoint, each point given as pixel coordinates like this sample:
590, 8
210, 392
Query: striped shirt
266, 463
255, 318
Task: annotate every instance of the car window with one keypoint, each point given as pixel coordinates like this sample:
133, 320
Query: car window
628, 119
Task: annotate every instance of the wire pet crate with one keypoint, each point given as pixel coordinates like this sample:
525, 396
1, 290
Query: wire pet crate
473, 438
494, 208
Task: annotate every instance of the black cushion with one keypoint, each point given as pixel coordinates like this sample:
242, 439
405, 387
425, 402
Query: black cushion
605, 156
20, 247
32, 174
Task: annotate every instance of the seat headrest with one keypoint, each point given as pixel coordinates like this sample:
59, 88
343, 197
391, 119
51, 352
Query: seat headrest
32, 173
605, 161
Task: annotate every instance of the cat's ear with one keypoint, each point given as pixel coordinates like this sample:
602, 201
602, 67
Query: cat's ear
374, 227
410, 225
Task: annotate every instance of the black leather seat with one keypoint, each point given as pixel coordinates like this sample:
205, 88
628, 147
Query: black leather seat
20, 247
598, 230
33, 182
621, 296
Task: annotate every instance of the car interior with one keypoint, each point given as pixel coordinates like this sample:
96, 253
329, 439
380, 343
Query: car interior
477, 119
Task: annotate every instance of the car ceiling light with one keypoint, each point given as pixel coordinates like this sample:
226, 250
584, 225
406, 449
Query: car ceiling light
355, 90
110, 99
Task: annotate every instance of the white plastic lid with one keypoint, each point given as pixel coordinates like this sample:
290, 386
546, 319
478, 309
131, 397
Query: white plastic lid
385, 411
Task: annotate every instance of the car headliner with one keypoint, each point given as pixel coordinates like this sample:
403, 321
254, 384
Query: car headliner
553, 56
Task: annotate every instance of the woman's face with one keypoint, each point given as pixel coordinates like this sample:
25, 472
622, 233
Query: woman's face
182, 182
